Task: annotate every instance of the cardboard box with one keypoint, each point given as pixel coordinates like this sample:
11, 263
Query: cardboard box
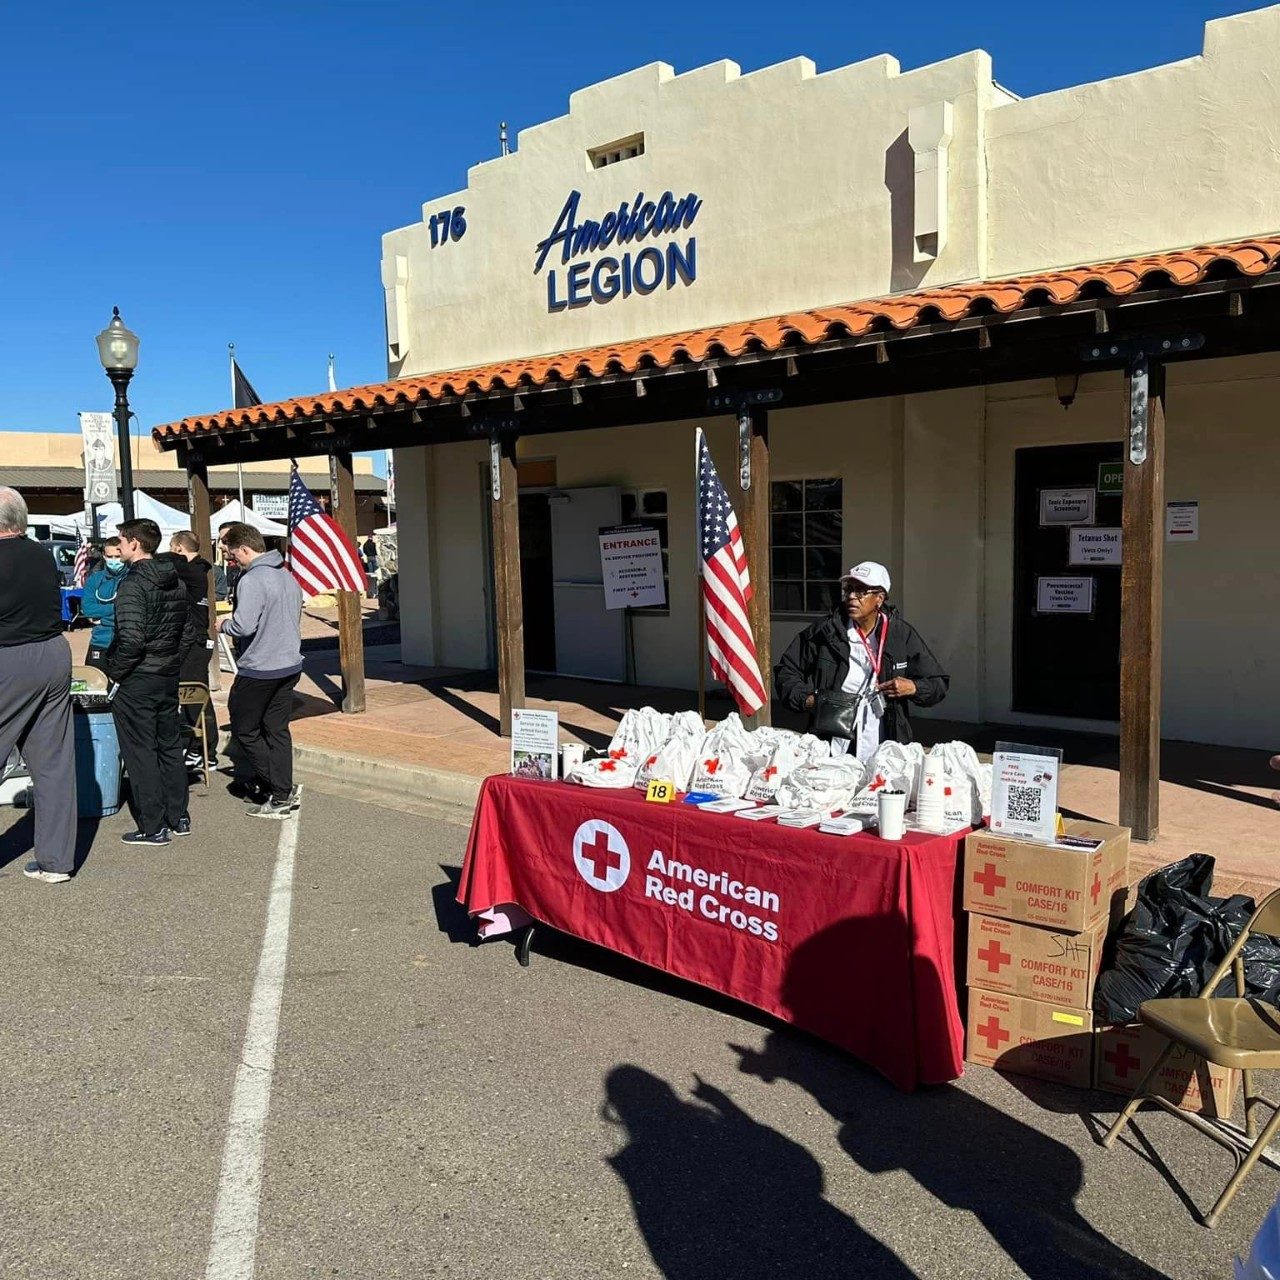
1070, 889
1034, 962
1030, 1037
1123, 1053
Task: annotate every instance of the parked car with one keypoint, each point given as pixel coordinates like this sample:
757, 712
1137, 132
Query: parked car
64, 556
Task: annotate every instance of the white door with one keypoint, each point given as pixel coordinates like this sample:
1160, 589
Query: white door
590, 639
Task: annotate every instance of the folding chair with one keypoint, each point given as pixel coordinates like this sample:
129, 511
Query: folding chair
193, 694
1237, 1032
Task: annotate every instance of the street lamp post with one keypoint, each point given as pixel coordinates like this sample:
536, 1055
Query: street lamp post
118, 351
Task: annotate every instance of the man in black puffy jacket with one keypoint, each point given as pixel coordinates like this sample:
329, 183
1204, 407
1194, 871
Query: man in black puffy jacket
153, 626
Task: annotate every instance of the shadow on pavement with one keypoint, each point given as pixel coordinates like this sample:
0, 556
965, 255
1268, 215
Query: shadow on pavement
451, 915
1019, 1183
20, 839
719, 1196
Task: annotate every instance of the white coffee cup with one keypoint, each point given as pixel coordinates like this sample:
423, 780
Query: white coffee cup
892, 812
571, 754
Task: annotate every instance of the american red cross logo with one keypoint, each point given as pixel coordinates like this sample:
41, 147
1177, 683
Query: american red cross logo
994, 955
770, 770
608, 766
988, 880
601, 855
650, 762
619, 753
1122, 1060
994, 1034
877, 782
711, 765
1095, 888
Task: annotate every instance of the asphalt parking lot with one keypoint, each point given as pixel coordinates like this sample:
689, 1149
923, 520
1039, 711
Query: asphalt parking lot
436, 1110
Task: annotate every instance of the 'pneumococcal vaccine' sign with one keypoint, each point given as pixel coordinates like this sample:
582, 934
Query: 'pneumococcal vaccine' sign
626, 270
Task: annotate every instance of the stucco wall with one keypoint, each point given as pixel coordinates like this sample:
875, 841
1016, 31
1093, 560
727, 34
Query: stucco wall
1177, 155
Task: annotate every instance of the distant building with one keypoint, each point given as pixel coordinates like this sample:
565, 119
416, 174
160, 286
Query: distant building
47, 469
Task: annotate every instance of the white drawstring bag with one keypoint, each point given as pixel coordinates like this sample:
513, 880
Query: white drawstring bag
827, 785
725, 760
896, 766
968, 784
640, 732
673, 761
789, 751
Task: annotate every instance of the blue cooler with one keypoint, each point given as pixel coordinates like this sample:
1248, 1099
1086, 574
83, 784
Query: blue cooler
97, 748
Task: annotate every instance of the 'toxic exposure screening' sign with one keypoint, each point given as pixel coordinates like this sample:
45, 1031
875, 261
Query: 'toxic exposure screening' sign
625, 271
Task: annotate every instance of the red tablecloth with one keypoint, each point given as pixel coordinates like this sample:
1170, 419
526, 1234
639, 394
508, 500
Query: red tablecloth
850, 937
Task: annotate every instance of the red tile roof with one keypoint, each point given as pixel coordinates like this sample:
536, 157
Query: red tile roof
1180, 268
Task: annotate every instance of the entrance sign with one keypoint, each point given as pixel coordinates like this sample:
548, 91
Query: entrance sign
274, 506
1064, 595
534, 743
631, 566
1111, 479
96, 431
1024, 791
625, 271
1067, 506
1094, 546
1182, 522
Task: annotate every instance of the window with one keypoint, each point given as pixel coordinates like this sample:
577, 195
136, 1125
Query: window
613, 152
649, 506
806, 541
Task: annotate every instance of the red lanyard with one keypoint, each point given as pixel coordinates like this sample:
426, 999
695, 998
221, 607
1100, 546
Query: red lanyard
879, 657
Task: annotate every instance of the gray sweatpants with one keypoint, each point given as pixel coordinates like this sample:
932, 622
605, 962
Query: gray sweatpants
35, 716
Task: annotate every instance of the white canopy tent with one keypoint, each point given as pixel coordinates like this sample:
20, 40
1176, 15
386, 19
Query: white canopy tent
59, 526
235, 513
145, 507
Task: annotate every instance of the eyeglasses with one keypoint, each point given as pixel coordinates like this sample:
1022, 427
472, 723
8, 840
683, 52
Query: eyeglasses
861, 593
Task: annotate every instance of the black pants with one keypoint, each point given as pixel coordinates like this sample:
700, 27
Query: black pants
260, 712
146, 716
195, 670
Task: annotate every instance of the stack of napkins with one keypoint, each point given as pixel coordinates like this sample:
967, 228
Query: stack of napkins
760, 814
845, 825
730, 804
800, 817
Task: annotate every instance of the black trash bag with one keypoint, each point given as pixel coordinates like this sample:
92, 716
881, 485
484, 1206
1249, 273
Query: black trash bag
1261, 954
1175, 937
1168, 945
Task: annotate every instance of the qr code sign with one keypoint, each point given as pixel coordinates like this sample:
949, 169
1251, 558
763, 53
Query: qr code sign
1024, 803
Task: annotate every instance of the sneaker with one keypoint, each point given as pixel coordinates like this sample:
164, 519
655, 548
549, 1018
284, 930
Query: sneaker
182, 827
250, 792
35, 871
137, 837
193, 760
274, 808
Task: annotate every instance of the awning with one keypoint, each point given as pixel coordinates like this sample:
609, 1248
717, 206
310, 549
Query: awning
1179, 269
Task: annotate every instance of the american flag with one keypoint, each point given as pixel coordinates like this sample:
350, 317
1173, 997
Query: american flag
80, 570
321, 557
726, 589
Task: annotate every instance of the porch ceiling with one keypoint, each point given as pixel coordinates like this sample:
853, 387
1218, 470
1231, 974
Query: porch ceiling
873, 324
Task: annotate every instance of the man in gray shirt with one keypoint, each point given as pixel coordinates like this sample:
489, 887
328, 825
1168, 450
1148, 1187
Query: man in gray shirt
35, 688
267, 622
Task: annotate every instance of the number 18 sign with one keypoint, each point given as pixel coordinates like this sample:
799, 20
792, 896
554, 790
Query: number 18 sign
1024, 791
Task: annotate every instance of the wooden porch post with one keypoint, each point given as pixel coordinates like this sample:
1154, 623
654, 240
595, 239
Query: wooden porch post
753, 465
342, 500
1141, 600
201, 517
504, 512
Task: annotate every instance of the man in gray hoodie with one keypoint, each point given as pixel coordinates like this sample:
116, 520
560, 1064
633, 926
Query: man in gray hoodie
268, 624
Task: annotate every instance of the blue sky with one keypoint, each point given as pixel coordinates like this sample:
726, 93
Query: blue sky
223, 172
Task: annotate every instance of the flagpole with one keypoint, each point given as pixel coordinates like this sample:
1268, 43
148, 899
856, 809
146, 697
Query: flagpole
231, 369
697, 581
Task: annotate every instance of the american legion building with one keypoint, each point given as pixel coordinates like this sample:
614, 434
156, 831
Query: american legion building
1023, 351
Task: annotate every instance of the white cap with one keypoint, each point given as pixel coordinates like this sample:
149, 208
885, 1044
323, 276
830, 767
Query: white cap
870, 574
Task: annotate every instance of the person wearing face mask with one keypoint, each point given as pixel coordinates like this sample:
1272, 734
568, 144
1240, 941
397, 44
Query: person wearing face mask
863, 663
99, 602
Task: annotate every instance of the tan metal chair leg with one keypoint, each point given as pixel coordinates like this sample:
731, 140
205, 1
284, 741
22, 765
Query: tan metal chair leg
1245, 1165
1250, 1122
1137, 1099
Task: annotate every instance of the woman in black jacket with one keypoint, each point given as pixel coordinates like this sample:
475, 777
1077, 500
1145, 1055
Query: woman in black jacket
898, 665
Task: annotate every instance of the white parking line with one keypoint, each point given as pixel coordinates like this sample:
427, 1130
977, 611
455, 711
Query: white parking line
235, 1212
